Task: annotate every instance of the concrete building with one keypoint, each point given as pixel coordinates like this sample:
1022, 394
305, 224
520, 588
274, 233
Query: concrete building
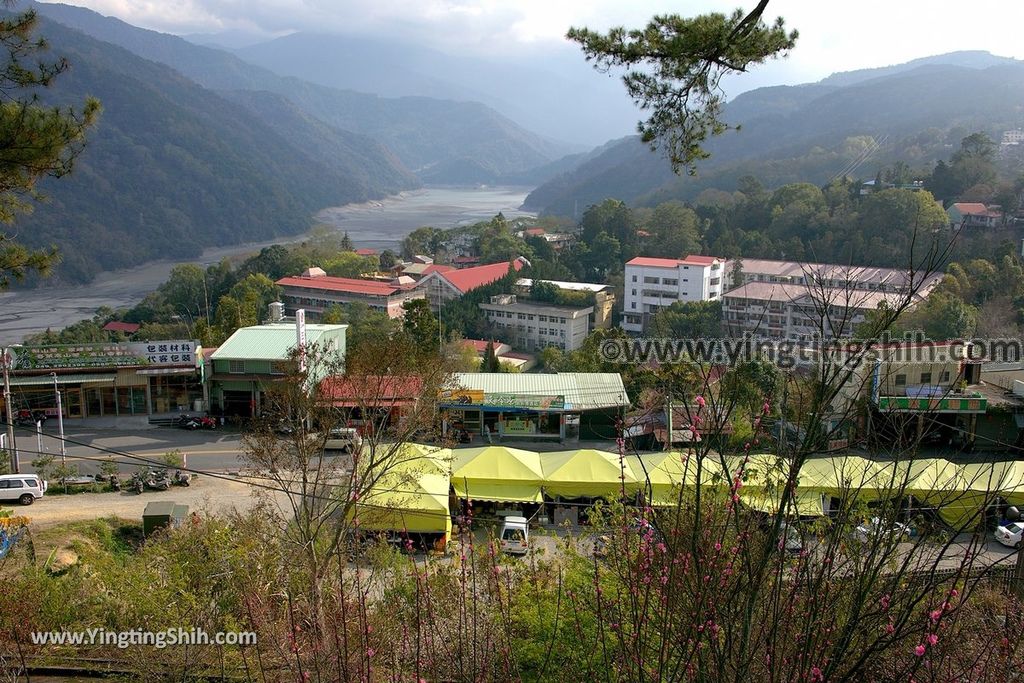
604, 298
862, 278
973, 215
316, 291
654, 283
565, 406
794, 312
121, 380
252, 359
532, 325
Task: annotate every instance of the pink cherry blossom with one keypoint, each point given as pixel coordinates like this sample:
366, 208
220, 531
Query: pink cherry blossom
919, 650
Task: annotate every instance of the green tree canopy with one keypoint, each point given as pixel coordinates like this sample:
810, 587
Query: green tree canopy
675, 66
36, 141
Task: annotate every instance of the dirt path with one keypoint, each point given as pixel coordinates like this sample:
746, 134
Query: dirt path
205, 495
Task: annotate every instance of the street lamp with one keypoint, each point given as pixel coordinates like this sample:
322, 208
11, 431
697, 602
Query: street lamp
60, 421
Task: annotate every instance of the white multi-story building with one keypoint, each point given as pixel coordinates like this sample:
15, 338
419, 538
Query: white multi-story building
827, 275
795, 311
653, 283
532, 325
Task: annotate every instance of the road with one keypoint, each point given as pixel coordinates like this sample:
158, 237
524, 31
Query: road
217, 450
222, 451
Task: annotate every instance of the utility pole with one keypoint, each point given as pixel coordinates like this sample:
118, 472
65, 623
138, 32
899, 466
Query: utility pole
60, 422
669, 427
6, 358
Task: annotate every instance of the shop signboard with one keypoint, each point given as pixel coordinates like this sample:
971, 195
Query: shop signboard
465, 397
527, 401
91, 356
519, 426
176, 352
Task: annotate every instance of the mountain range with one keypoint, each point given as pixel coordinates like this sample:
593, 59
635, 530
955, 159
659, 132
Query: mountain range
444, 141
847, 124
198, 148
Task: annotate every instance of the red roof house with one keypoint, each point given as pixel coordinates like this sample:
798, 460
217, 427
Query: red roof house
367, 252
443, 286
318, 293
468, 279
379, 391
118, 326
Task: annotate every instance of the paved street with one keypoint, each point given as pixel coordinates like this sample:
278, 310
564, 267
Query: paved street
218, 449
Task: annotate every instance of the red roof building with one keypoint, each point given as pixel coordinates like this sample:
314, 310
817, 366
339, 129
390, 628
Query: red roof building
317, 293
367, 252
118, 326
371, 390
692, 260
441, 287
973, 215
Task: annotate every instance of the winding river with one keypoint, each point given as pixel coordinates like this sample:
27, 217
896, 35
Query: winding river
378, 224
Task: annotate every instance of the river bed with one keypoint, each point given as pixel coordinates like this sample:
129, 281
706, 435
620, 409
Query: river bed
379, 224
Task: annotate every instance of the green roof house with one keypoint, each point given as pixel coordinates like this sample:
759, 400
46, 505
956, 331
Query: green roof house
255, 357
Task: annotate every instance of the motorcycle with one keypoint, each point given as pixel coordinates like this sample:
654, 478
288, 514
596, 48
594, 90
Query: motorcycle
115, 482
157, 480
29, 418
207, 422
189, 422
181, 479
137, 482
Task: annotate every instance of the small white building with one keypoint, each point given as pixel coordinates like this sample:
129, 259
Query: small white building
654, 283
531, 325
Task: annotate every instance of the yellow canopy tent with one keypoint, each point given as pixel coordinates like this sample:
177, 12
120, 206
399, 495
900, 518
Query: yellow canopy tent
415, 504
498, 473
418, 458
803, 504
586, 472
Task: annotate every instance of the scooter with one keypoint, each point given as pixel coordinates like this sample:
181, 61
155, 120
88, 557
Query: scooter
137, 482
115, 482
158, 480
182, 479
207, 422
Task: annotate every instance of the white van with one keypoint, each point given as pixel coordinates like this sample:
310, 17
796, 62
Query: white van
24, 488
515, 536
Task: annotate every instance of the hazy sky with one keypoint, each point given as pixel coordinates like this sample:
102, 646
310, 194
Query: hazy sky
835, 36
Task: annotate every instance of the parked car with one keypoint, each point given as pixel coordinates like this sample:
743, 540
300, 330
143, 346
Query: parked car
344, 439
876, 527
1009, 534
515, 536
24, 488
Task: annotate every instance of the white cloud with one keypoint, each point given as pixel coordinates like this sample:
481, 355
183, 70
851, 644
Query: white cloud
834, 36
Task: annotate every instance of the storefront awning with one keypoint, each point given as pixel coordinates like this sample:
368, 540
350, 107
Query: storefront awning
166, 371
43, 380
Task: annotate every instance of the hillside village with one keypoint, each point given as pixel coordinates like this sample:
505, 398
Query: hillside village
738, 398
